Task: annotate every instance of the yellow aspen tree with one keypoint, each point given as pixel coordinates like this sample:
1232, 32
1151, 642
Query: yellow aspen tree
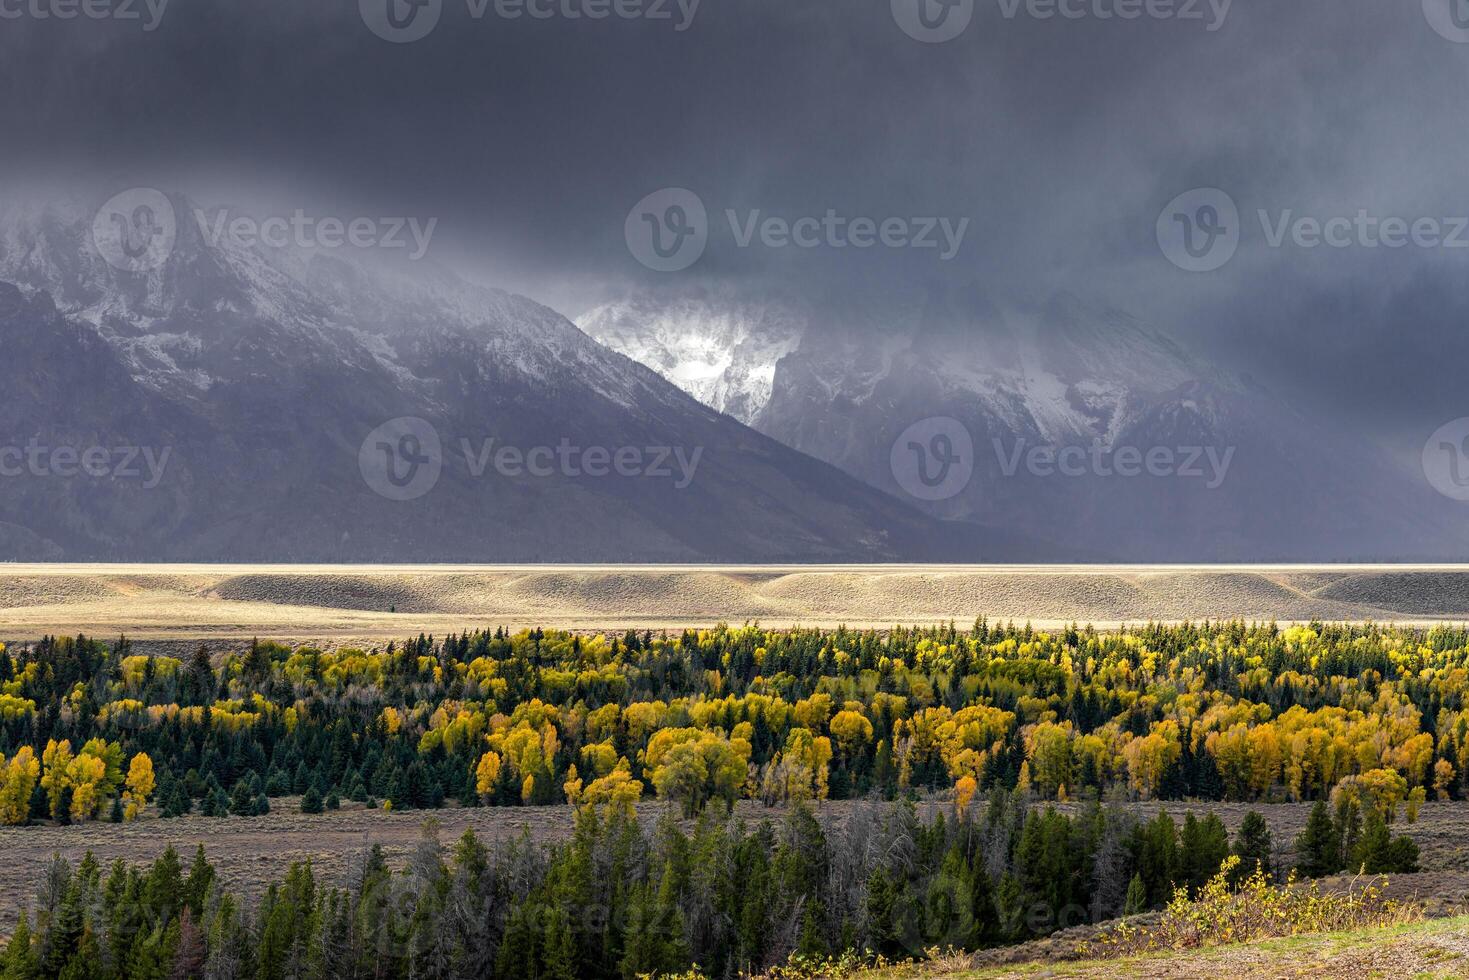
572, 786
486, 773
964, 791
1443, 778
17, 781
55, 775
87, 775
140, 785
617, 789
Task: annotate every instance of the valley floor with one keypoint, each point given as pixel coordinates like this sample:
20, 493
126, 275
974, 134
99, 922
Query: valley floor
339, 605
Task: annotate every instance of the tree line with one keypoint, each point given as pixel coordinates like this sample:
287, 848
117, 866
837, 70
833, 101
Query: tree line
621, 899
1217, 711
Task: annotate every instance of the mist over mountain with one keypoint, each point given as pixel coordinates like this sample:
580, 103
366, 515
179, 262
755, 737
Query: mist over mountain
712, 343
1062, 402
305, 406
284, 403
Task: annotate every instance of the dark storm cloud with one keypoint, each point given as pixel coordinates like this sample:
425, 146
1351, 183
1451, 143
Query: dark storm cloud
1058, 139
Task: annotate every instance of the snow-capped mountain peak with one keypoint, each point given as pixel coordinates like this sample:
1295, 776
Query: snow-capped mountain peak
721, 351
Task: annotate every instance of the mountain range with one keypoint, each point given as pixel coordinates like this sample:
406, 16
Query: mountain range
254, 403
1237, 472
242, 402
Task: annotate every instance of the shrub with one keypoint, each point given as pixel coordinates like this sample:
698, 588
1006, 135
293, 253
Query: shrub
1258, 910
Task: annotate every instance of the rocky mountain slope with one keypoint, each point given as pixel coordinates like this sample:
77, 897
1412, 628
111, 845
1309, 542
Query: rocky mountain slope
258, 380
1085, 424
712, 344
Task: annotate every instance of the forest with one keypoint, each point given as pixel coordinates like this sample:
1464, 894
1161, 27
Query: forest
624, 899
1376, 716
1028, 746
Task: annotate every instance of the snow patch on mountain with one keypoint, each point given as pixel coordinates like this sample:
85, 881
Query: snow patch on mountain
721, 350
177, 327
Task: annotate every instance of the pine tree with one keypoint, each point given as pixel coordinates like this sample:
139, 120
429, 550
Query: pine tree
311, 802
241, 800
559, 958
1159, 861
882, 930
1373, 853
197, 884
85, 962
20, 954
1348, 829
1203, 847
518, 952
62, 810
179, 802
64, 930
301, 780
188, 960
1253, 846
218, 804
200, 684
277, 783
1318, 848
1137, 897
163, 888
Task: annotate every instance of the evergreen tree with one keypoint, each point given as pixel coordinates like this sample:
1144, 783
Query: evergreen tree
276, 783
218, 804
1348, 829
189, 959
1158, 861
241, 800
1318, 848
1137, 897
559, 959
1373, 853
85, 962
179, 801
1203, 845
1253, 846
20, 955
301, 780
196, 886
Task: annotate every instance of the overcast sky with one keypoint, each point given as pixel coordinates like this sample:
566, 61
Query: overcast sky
1061, 141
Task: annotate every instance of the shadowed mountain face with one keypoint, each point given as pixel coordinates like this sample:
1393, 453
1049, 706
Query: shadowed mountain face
233, 402
1086, 426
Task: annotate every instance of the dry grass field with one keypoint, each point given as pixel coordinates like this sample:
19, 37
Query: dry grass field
338, 604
